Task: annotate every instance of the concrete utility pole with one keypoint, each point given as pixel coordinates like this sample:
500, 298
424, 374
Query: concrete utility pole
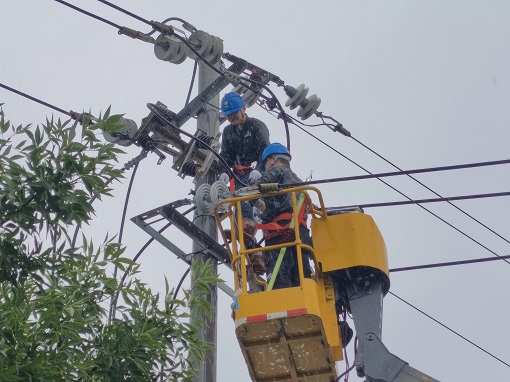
208, 122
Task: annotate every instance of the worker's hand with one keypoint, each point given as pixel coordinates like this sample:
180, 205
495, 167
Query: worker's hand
254, 176
224, 178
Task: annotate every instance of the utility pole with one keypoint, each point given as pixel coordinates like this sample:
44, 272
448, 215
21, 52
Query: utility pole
208, 122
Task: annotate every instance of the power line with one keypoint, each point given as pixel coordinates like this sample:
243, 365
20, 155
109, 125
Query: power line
70, 114
125, 11
448, 264
434, 192
398, 173
430, 200
396, 190
451, 330
90, 14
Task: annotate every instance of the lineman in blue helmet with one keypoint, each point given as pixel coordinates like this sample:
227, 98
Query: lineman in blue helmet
243, 141
276, 161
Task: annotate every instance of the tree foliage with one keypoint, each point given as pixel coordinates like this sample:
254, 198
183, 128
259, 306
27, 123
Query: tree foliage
54, 295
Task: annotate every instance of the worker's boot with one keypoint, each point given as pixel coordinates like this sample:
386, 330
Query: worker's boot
249, 230
255, 283
258, 263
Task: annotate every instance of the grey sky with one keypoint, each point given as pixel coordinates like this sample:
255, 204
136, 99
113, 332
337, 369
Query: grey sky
423, 83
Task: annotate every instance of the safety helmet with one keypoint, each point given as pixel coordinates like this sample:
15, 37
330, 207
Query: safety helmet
230, 103
275, 149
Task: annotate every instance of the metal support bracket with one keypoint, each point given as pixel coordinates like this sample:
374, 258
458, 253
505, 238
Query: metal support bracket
211, 247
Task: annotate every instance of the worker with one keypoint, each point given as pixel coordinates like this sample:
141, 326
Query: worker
276, 220
243, 141
277, 217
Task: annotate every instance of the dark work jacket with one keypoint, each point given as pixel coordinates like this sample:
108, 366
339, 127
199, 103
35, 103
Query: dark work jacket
244, 146
276, 205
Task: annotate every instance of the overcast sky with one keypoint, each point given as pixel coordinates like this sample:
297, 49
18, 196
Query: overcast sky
422, 83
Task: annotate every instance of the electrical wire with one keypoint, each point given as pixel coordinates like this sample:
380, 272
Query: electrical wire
121, 229
179, 285
447, 264
195, 67
116, 7
70, 114
448, 328
423, 201
398, 173
434, 192
126, 202
396, 190
90, 14
345, 372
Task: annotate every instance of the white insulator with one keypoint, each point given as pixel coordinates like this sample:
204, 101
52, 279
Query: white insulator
251, 97
216, 51
202, 42
241, 87
297, 98
123, 136
308, 108
203, 199
168, 48
220, 192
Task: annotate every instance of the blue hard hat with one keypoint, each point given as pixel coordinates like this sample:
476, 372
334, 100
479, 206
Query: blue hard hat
230, 103
275, 149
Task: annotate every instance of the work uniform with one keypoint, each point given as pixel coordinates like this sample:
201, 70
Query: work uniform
243, 146
277, 211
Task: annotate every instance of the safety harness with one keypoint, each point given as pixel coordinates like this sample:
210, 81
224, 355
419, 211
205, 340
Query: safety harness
239, 171
274, 228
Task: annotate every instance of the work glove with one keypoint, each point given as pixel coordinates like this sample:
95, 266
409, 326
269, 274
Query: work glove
224, 178
254, 176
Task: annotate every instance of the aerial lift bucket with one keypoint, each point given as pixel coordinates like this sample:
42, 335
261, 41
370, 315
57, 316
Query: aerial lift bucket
289, 334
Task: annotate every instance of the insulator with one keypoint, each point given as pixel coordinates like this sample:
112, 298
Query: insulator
190, 169
241, 87
203, 137
251, 97
203, 199
168, 48
216, 51
296, 96
207, 46
308, 107
219, 192
202, 43
145, 141
124, 136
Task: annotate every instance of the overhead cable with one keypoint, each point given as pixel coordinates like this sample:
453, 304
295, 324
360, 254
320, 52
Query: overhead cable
395, 189
434, 192
423, 201
397, 173
89, 14
448, 264
451, 330
68, 113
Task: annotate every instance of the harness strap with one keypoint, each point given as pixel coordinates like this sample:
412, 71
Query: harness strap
273, 228
239, 171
